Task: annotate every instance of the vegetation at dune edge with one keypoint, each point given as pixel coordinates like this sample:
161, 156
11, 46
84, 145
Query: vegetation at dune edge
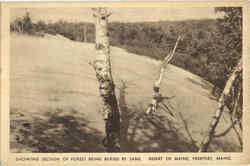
209, 48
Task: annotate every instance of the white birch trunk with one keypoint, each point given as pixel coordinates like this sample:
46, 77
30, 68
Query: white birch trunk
102, 67
208, 138
156, 89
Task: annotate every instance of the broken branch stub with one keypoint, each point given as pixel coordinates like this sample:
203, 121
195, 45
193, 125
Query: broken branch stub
102, 66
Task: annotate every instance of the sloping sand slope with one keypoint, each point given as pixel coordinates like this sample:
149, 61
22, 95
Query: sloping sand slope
55, 101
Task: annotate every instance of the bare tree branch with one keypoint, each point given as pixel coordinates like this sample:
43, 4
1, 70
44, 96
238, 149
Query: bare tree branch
227, 130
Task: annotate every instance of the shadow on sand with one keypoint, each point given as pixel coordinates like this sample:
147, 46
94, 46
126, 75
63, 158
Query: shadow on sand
58, 131
63, 131
142, 133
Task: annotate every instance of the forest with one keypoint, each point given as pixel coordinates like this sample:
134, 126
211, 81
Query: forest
209, 48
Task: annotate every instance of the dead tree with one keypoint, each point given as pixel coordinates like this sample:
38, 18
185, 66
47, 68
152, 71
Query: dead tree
157, 97
222, 103
102, 66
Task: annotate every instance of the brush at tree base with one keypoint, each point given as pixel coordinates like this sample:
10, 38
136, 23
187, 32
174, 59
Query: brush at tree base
157, 98
222, 103
102, 67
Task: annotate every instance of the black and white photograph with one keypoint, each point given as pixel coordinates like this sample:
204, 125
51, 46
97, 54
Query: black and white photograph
126, 79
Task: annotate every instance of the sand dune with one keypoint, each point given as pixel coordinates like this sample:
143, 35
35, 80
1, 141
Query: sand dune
55, 102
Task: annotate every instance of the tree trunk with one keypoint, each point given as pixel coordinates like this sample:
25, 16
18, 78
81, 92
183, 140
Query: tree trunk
102, 67
157, 98
222, 102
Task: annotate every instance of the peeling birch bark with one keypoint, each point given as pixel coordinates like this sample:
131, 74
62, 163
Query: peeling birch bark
157, 98
208, 138
102, 67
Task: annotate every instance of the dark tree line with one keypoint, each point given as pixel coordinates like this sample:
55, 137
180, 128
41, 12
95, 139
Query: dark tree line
209, 48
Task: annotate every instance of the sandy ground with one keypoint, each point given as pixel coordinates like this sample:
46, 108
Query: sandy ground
55, 102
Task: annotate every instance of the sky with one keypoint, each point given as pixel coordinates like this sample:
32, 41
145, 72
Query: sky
125, 14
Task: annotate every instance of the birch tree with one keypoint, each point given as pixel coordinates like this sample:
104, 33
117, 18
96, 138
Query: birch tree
102, 68
157, 97
222, 103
